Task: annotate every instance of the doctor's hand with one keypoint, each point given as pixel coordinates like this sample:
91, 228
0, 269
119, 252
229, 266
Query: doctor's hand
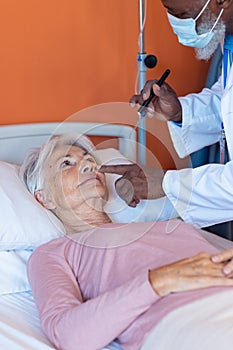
227, 258
164, 106
136, 182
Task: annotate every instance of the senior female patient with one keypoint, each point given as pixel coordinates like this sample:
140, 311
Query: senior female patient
104, 280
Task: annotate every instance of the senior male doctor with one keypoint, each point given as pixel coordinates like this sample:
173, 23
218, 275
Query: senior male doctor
202, 196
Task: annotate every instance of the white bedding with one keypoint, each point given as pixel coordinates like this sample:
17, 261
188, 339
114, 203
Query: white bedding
19, 323
204, 324
20, 326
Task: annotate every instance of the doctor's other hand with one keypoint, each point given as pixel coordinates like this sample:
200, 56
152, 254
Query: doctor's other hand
164, 106
227, 258
136, 182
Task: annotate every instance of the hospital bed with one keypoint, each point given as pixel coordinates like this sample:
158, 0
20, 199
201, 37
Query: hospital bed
25, 224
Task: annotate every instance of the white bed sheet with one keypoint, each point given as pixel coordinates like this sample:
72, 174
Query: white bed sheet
20, 326
19, 323
201, 325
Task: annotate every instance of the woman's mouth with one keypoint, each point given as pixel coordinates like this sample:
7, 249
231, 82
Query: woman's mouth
90, 179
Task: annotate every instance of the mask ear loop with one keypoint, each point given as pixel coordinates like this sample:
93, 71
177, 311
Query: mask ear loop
215, 23
202, 10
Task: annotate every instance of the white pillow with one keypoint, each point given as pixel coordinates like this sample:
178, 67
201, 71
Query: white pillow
25, 224
13, 272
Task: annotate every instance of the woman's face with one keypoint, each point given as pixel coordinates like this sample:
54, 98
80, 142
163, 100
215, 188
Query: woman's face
72, 178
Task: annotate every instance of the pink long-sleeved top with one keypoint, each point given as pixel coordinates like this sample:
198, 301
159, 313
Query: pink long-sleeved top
91, 288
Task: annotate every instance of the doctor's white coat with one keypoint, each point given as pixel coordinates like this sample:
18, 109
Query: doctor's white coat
203, 196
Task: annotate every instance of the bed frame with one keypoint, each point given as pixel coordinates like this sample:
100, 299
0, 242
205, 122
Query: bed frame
16, 140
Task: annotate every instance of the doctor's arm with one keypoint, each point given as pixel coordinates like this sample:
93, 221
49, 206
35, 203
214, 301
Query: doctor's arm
202, 196
199, 113
201, 121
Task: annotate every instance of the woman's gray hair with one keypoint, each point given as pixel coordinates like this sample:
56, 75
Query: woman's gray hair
32, 170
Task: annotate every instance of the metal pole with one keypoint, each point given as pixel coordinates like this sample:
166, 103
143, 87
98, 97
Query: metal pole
141, 82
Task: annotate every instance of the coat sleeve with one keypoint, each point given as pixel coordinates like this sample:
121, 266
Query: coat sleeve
202, 196
72, 323
201, 121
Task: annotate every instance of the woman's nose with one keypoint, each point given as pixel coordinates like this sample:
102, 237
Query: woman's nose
89, 167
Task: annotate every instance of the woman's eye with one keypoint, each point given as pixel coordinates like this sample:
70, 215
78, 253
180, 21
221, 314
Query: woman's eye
89, 158
66, 163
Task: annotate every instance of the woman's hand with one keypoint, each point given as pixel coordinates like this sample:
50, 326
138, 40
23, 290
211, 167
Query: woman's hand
164, 106
188, 274
227, 258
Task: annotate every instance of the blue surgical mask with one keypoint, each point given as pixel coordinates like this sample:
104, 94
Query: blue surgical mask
185, 29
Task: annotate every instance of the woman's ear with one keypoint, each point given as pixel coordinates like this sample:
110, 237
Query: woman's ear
41, 198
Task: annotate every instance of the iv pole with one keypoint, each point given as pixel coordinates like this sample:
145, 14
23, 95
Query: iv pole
141, 82
144, 61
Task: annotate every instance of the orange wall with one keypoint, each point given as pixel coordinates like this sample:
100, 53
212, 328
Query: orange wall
60, 57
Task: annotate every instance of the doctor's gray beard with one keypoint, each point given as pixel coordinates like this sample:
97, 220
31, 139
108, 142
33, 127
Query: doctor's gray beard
208, 20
